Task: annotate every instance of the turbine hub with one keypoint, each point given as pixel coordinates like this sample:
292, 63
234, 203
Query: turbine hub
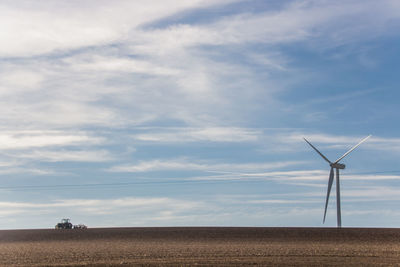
338, 166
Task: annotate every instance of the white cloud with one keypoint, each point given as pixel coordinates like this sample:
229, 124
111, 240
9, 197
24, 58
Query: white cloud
246, 210
296, 21
183, 164
289, 140
211, 134
79, 203
32, 29
374, 192
67, 155
22, 150
321, 138
27, 30
161, 211
19, 80
281, 201
99, 63
312, 178
98, 207
101, 76
36, 139
22, 168
344, 142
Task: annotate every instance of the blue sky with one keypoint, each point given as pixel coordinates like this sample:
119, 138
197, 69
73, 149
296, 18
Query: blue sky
170, 113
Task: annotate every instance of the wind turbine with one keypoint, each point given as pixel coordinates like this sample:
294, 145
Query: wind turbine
335, 165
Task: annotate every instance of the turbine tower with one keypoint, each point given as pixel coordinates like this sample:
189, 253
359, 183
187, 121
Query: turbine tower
335, 165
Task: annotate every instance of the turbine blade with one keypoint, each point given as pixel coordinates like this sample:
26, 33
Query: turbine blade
330, 182
354, 147
317, 151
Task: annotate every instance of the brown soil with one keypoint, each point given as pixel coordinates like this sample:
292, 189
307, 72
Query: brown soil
187, 246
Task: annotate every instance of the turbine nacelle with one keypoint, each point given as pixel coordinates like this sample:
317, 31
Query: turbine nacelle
338, 166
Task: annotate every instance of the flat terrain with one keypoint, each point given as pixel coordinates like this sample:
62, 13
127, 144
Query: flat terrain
178, 246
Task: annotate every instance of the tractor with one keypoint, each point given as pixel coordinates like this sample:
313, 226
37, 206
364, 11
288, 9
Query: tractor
64, 224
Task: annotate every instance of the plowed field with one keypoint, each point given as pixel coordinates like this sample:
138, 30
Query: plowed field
186, 246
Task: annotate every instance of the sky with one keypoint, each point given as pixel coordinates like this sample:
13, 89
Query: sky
193, 113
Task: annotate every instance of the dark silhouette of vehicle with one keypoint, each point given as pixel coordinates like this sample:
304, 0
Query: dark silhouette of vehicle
64, 224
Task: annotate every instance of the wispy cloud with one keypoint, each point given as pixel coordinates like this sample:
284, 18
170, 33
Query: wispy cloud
98, 63
101, 204
371, 193
95, 52
36, 139
67, 155
149, 208
27, 31
281, 201
22, 168
211, 134
343, 142
184, 164
300, 177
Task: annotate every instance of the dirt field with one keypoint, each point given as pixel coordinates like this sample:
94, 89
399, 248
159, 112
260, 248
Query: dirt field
201, 246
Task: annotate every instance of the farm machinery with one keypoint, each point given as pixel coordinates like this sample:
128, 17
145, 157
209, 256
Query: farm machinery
66, 224
80, 226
